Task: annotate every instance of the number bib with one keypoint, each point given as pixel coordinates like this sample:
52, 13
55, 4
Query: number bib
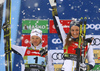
34, 60
33, 57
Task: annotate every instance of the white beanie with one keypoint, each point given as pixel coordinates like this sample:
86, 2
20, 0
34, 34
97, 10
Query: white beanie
36, 32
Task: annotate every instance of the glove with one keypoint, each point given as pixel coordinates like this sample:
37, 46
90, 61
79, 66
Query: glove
52, 3
43, 51
83, 67
89, 67
89, 40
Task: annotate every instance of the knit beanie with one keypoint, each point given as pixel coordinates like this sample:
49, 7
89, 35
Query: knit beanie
74, 23
36, 32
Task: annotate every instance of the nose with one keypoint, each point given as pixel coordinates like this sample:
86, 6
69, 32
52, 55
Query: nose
74, 32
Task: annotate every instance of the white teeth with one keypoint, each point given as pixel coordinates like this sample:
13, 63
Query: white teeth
74, 33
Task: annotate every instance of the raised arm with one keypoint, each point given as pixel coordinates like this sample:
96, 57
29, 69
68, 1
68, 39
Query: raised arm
19, 49
57, 24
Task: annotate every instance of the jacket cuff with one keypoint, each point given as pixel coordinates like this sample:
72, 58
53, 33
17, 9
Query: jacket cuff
91, 66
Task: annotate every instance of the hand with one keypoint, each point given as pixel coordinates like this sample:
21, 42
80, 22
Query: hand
89, 40
52, 3
43, 51
89, 67
83, 67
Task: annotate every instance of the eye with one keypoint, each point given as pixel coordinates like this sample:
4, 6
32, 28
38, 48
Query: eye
77, 29
37, 38
72, 30
32, 38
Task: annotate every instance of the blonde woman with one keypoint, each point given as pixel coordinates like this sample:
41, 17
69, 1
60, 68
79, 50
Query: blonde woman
33, 59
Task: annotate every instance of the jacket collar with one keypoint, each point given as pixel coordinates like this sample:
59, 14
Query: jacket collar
36, 47
75, 39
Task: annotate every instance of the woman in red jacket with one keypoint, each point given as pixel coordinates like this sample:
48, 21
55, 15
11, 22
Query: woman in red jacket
70, 42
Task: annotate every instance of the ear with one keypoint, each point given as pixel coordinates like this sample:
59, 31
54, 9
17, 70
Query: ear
41, 41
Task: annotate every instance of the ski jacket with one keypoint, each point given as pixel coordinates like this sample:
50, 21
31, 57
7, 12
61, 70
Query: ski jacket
62, 36
32, 57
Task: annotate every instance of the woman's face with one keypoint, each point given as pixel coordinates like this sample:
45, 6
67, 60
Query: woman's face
35, 40
75, 31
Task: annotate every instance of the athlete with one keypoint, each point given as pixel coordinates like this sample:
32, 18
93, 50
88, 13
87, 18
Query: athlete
70, 43
35, 57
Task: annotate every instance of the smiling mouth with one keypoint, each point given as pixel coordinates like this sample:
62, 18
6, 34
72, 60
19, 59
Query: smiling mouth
75, 35
35, 43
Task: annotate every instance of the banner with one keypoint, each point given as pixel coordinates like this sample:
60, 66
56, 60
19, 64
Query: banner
64, 23
28, 25
57, 67
54, 42
26, 40
32, 14
96, 41
96, 56
93, 28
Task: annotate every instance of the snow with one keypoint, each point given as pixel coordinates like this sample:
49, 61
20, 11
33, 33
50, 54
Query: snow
68, 11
